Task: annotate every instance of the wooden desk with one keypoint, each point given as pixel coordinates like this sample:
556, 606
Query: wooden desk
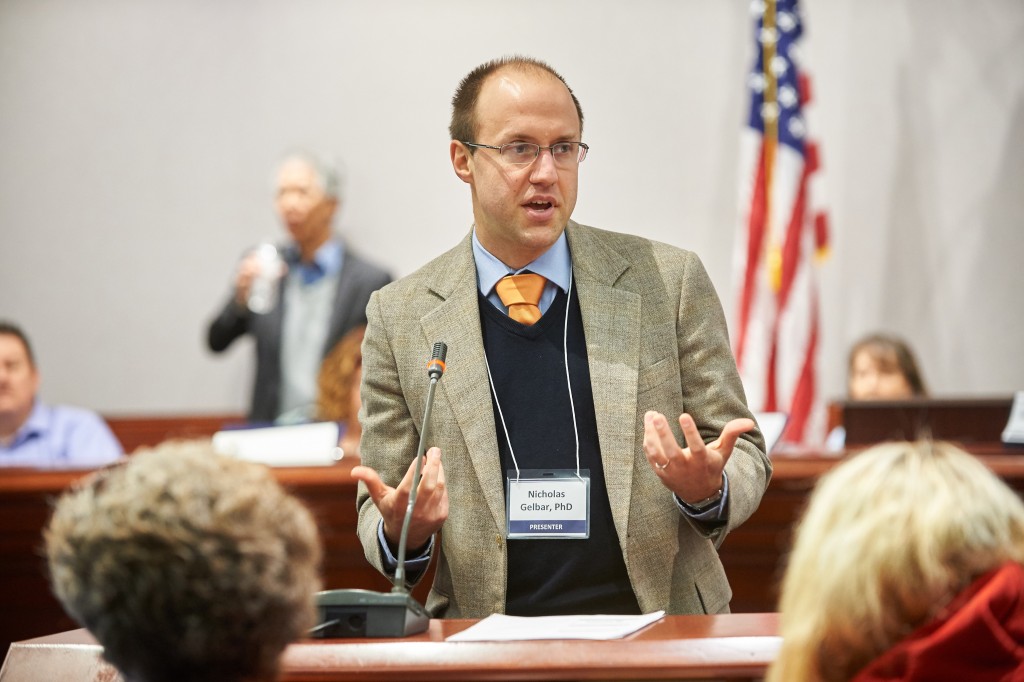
753, 555
27, 607
729, 647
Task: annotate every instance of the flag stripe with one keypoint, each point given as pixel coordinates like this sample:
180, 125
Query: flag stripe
755, 239
805, 394
780, 234
794, 232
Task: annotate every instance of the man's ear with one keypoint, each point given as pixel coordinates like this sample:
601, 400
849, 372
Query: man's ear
461, 161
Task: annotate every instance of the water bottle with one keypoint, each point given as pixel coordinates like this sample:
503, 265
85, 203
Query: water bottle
264, 290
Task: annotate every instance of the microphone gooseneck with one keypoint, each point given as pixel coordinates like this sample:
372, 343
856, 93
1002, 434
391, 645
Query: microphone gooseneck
364, 613
435, 368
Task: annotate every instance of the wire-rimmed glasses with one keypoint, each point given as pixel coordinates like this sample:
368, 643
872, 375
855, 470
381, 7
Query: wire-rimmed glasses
564, 154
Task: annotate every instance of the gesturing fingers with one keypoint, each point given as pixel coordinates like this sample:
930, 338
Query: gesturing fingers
432, 500
694, 442
660, 445
432, 476
730, 434
374, 485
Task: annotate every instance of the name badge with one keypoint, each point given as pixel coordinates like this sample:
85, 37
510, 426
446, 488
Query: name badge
548, 504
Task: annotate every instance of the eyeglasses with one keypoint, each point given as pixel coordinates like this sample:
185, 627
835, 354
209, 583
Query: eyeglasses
564, 154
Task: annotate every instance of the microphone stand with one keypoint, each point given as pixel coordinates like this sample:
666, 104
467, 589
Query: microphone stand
399, 581
365, 613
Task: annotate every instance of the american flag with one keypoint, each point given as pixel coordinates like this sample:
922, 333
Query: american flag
782, 233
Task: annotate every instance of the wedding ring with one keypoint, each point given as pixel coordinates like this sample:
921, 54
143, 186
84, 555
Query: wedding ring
662, 467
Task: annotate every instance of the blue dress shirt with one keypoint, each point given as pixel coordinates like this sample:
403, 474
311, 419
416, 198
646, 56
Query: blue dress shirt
59, 437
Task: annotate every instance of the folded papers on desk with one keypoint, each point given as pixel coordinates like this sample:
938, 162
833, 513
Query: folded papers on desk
300, 445
501, 628
1013, 434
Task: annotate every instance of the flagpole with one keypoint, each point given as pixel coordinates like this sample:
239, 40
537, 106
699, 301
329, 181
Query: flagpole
770, 116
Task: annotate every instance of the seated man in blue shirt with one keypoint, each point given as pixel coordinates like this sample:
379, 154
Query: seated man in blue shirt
33, 434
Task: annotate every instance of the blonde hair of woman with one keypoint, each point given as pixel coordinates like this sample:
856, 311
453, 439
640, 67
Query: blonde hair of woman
889, 538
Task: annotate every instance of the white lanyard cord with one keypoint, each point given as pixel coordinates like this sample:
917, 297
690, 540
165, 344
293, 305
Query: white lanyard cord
501, 416
572, 404
568, 383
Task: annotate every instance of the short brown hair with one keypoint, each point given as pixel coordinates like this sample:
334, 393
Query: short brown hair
185, 564
463, 125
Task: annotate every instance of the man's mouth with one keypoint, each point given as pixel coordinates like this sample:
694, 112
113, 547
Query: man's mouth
539, 205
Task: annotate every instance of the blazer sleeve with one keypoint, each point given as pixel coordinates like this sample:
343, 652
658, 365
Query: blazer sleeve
230, 323
713, 392
390, 435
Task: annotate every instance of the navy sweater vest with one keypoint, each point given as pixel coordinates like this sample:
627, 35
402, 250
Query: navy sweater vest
554, 577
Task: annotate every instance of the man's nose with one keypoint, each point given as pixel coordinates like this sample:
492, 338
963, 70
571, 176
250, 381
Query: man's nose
544, 169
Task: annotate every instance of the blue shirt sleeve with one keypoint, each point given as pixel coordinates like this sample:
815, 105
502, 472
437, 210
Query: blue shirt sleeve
715, 514
414, 566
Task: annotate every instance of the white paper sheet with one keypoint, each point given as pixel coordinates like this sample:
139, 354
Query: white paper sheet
502, 628
301, 445
771, 424
1013, 434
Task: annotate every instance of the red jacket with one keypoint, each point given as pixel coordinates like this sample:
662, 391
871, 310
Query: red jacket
979, 638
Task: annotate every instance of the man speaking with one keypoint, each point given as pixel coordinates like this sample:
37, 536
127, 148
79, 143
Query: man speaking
593, 440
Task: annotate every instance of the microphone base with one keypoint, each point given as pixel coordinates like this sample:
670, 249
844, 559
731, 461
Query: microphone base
363, 613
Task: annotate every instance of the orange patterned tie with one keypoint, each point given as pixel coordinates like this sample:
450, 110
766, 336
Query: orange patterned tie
521, 293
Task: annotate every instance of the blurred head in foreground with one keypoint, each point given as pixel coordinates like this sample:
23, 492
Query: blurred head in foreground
901, 536
882, 367
186, 565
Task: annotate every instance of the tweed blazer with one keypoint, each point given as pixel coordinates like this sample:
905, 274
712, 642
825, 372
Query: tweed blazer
656, 339
356, 281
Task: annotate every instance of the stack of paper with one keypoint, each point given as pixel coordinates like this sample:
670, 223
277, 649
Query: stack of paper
502, 628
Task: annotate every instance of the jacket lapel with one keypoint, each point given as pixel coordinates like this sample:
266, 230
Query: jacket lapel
611, 323
456, 321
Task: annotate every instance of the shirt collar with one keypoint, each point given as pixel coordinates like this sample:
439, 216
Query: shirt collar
555, 265
326, 261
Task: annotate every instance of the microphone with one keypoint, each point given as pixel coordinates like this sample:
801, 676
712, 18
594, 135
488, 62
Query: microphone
435, 368
365, 613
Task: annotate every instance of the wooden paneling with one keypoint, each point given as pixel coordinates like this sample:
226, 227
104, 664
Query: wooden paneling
137, 431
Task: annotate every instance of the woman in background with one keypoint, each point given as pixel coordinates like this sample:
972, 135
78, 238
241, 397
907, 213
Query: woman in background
338, 399
881, 367
906, 566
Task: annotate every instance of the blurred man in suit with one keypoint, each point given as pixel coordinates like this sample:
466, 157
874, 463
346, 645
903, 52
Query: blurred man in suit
321, 296
34, 434
557, 388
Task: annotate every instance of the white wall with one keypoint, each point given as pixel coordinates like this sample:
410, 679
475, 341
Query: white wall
138, 139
